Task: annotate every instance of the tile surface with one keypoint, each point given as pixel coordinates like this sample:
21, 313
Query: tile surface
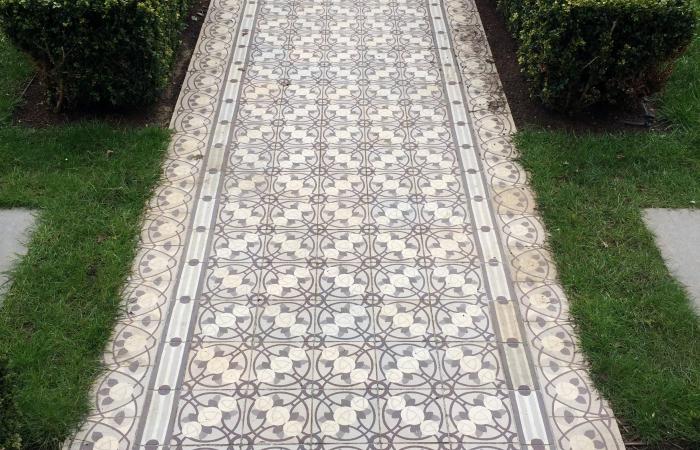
344, 254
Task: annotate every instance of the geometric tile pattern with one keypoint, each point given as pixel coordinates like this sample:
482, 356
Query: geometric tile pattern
343, 253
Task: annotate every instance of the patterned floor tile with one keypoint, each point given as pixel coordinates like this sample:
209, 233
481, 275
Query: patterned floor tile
344, 253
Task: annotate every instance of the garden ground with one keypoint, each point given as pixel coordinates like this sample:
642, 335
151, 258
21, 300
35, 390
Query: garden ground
89, 181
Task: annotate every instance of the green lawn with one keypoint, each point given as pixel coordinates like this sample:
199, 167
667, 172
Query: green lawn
89, 183
635, 322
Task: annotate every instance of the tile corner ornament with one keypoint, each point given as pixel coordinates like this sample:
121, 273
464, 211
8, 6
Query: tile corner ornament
343, 252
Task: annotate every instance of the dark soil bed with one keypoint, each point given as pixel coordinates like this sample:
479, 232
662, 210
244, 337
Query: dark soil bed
527, 111
35, 112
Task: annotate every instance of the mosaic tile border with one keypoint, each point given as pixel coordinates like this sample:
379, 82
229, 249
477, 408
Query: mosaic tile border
579, 417
530, 411
149, 295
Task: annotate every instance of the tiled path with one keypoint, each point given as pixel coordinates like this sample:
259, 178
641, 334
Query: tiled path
343, 254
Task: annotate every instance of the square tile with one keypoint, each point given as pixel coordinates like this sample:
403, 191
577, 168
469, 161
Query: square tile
444, 246
339, 158
472, 365
480, 416
225, 320
339, 185
282, 365
338, 281
239, 214
209, 418
339, 246
279, 417
284, 321
345, 321
293, 214
233, 282
398, 213
291, 246
413, 416
346, 416
343, 213
346, 365
217, 366
456, 280
405, 365
458, 320
237, 246
398, 321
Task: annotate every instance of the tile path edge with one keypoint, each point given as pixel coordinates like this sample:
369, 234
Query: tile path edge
149, 291
577, 413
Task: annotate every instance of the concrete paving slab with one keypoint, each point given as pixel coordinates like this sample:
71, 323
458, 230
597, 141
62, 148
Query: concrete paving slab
677, 233
15, 226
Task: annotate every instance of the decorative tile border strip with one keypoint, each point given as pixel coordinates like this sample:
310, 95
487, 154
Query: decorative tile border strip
531, 415
577, 414
120, 392
163, 393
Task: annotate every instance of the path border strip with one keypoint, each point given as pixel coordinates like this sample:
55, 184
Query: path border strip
504, 311
119, 394
156, 427
549, 335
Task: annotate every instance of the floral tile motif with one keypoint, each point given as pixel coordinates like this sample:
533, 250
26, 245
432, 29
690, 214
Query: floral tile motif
480, 416
346, 416
284, 321
225, 321
404, 321
462, 320
407, 365
413, 416
470, 365
218, 366
283, 417
576, 432
344, 253
346, 365
568, 392
345, 321
209, 418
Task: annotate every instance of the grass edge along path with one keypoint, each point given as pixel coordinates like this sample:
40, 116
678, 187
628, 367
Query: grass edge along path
89, 183
635, 322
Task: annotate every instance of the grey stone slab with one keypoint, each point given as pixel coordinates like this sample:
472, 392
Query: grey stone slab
15, 226
677, 233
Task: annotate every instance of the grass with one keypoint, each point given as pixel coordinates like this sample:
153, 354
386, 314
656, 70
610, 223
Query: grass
89, 183
636, 326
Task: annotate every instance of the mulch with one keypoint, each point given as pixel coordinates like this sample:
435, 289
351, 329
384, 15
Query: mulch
35, 112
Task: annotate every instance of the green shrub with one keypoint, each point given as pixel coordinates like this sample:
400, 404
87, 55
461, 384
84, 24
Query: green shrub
9, 419
108, 52
577, 53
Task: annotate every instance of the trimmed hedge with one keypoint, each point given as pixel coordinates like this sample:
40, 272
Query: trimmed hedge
577, 53
106, 52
